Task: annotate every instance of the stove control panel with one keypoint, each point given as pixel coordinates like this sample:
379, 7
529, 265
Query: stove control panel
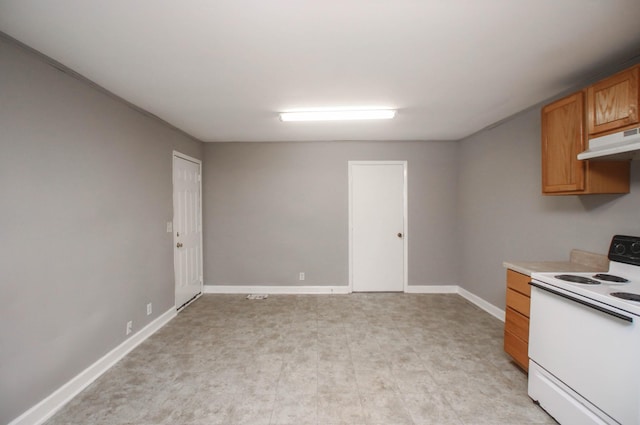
625, 249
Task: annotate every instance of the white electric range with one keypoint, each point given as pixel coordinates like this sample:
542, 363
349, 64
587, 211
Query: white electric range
584, 341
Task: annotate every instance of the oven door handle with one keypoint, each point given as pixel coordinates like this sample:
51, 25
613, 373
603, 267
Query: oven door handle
584, 303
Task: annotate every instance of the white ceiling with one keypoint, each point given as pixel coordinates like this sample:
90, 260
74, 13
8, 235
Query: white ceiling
222, 70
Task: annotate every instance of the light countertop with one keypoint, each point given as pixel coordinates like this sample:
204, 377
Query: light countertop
580, 261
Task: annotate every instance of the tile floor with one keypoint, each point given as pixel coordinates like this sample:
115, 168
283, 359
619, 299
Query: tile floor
359, 359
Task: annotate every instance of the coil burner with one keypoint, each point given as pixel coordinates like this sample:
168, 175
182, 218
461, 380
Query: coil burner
577, 279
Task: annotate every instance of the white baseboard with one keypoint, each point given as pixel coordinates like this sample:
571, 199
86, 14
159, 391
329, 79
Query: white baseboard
269, 289
290, 290
456, 289
486, 306
42, 411
310, 290
432, 289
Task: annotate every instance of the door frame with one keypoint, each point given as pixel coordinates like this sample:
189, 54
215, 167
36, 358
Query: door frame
173, 232
405, 274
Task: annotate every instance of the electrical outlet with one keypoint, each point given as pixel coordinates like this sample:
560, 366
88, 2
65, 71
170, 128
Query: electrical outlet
149, 309
129, 326
169, 226
301, 276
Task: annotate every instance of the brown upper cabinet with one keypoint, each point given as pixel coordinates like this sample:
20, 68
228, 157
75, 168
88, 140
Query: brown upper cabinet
563, 137
562, 140
612, 104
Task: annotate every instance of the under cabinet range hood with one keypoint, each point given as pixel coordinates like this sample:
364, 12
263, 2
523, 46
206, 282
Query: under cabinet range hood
621, 145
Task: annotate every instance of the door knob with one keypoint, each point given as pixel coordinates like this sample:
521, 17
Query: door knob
400, 235
179, 245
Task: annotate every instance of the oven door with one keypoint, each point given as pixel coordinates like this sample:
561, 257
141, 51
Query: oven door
591, 348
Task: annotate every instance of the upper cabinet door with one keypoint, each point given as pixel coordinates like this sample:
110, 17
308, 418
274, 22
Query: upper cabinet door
562, 140
613, 102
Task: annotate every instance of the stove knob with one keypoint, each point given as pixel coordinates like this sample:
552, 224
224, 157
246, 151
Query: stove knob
619, 249
635, 247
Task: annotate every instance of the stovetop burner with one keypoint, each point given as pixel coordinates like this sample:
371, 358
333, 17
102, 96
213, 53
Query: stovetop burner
577, 279
618, 286
610, 278
626, 296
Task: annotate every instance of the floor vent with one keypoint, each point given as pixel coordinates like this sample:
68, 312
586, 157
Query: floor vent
257, 296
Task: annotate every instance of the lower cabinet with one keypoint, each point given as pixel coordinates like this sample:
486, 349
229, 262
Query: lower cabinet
516, 324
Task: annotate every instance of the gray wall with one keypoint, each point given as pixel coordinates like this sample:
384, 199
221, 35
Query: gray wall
503, 215
85, 186
272, 210
85, 183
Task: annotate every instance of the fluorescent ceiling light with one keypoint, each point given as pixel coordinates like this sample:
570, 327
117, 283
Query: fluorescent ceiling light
338, 115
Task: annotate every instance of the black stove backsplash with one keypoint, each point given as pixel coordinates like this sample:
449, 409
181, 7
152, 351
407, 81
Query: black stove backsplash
625, 249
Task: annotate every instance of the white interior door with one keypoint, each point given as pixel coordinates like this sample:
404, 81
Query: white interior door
377, 222
187, 228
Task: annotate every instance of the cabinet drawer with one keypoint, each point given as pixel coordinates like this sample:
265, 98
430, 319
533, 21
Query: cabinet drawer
518, 302
517, 324
519, 282
517, 348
